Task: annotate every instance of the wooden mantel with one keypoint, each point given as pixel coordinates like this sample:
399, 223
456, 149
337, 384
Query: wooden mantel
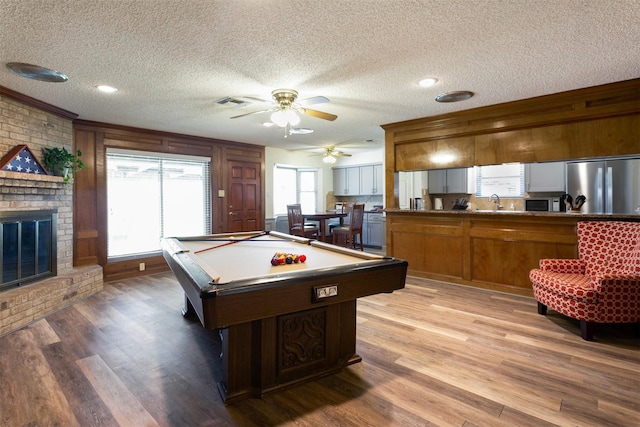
29, 180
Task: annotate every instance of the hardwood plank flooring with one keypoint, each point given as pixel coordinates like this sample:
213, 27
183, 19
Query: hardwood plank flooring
434, 354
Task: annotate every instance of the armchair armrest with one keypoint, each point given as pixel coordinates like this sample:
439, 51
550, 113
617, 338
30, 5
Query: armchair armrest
568, 265
619, 285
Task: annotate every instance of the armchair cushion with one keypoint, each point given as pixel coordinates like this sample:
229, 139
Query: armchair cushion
574, 286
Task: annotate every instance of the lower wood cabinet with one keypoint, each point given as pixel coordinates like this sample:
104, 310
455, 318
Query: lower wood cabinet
487, 250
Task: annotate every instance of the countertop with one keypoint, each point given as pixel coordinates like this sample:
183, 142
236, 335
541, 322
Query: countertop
633, 216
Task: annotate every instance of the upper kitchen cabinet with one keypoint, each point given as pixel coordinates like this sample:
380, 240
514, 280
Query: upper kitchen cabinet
346, 181
449, 181
540, 177
371, 179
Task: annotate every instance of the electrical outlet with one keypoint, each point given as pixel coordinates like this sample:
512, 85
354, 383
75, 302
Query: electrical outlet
142, 266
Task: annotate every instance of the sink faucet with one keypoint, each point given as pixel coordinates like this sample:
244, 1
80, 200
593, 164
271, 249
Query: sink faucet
497, 201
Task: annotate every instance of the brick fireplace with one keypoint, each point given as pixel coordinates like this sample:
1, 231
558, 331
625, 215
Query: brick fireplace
21, 305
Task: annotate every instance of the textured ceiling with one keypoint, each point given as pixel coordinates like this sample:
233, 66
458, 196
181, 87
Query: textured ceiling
172, 59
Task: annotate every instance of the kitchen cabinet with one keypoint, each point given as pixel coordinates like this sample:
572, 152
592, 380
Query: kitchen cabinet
548, 176
449, 181
371, 179
346, 181
374, 229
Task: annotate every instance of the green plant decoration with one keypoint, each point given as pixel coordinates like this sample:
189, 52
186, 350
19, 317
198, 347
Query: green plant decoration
61, 162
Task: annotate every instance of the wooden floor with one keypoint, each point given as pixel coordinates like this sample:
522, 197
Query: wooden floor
433, 354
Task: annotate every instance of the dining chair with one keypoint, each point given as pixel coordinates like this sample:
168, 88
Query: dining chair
297, 227
346, 235
338, 222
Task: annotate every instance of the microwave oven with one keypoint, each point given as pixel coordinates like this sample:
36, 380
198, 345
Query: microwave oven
547, 204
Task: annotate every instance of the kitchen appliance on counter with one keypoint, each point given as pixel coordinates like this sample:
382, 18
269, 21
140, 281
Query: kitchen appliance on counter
437, 204
460, 204
610, 186
545, 204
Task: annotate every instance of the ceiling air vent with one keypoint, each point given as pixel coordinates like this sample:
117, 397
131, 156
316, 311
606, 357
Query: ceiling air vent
232, 102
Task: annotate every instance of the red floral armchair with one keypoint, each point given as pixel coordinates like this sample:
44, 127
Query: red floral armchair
602, 285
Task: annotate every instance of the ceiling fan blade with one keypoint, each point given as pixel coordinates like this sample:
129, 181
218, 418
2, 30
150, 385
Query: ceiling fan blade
313, 100
331, 151
318, 114
253, 112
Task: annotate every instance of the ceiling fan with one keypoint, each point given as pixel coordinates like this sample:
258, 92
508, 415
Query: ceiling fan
331, 153
286, 108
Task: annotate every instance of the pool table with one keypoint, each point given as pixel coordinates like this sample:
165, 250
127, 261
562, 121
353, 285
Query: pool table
280, 325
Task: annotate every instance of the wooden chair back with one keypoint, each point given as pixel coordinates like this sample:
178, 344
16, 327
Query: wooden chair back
357, 217
346, 236
296, 222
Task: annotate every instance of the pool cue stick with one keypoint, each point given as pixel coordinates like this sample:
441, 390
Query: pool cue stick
230, 243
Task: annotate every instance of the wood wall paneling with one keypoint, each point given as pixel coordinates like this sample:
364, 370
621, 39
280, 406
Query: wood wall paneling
437, 154
90, 219
117, 270
595, 138
85, 218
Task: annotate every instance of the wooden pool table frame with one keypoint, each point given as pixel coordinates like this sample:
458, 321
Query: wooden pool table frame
276, 331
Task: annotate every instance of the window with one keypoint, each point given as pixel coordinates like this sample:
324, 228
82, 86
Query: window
504, 180
294, 185
150, 196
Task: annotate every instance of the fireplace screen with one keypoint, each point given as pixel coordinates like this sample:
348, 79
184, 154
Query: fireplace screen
28, 250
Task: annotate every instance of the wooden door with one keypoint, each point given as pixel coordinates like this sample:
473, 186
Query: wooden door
245, 196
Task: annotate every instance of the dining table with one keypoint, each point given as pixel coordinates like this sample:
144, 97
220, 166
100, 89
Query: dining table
322, 218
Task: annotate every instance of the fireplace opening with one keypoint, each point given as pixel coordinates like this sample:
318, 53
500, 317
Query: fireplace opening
28, 249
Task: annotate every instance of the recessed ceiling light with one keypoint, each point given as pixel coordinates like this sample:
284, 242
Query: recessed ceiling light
106, 89
460, 95
37, 72
268, 124
429, 81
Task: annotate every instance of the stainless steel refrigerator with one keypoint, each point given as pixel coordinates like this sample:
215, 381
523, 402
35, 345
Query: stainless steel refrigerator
611, 186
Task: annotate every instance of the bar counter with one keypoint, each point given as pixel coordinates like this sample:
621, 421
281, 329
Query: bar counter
486, 249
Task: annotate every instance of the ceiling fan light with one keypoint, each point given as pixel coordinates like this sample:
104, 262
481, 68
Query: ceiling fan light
329, 159
280, 118
292, 117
